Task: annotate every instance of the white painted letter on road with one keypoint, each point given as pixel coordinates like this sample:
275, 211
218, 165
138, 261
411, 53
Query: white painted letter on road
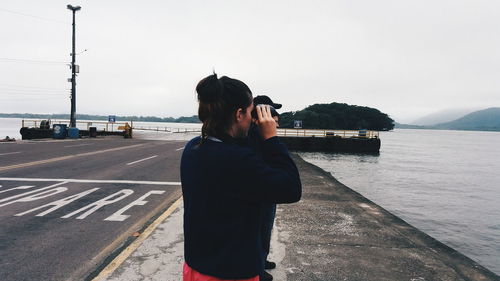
98, 204
119, 216
37, 196
16, 188
58, 204
30, 192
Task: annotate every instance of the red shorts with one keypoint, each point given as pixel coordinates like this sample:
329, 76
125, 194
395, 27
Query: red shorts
190, 274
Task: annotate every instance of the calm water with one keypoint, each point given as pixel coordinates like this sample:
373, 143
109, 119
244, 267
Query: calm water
446, 183
10, 127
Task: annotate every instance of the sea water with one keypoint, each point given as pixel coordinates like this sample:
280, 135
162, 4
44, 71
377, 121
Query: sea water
446, 183
10, 127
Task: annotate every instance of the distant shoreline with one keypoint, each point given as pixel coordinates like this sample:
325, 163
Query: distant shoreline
194, 119
182, 119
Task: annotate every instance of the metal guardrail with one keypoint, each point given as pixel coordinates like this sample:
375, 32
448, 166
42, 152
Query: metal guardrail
327, 133
100, 125
167, 129
281, 132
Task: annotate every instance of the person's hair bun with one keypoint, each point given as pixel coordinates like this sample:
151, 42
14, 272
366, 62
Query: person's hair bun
209, 89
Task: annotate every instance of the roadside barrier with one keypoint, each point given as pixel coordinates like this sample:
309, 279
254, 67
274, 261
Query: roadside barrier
167, 129
328, 133
83, 125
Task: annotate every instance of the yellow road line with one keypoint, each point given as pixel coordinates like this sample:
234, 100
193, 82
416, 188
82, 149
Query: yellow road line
50, 160
113, 265
35, 163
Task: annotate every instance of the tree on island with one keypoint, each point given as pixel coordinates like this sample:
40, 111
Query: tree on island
338, 116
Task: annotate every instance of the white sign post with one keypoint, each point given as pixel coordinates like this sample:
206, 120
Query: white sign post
297, 124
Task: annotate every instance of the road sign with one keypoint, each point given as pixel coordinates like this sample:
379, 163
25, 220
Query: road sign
111, 118
297, 124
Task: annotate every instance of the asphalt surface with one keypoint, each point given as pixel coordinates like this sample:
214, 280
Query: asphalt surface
47, 233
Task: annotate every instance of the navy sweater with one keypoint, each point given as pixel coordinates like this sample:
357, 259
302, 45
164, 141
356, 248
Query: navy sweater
224, 185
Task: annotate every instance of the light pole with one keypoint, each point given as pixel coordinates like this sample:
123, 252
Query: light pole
72, 122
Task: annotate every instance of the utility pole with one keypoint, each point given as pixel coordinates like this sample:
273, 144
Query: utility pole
72, 122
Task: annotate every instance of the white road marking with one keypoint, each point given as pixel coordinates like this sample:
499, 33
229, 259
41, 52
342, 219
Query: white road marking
19, 187
116, 262
58, 204
83, 212
31, 192
119, 216
37, 196
131, 163
117, 196
179, 149
9, 153
83, 144
92, 181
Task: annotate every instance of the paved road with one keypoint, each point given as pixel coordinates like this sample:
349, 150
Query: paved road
66, 205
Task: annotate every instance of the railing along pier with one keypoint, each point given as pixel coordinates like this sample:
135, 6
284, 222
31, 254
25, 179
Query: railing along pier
167, 129
82, 125
327, 133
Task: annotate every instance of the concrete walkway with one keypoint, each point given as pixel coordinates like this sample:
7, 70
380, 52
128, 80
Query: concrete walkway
333, 233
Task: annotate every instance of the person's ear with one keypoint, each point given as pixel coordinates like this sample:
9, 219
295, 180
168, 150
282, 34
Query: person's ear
238, 115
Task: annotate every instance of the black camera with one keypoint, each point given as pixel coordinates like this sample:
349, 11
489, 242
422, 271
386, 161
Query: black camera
273, 111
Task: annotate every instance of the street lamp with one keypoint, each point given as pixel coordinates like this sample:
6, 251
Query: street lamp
72, 122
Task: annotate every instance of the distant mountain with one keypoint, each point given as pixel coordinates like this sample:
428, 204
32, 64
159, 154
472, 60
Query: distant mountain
409, 126
442, 116
482, 120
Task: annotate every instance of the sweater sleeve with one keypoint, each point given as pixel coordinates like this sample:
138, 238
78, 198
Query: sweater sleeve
272, 178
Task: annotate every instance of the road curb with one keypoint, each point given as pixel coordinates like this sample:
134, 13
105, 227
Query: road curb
122, 253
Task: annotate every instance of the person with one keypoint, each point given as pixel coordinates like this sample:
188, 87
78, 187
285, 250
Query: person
127, 132
263, 99
268, 210
225, 184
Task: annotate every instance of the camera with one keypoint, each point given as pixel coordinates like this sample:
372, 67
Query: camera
272, 109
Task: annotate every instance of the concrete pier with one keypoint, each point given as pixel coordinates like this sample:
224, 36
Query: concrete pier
333, 233
333, 144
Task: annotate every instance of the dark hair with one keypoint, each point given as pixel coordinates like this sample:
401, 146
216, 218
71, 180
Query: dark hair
218, 100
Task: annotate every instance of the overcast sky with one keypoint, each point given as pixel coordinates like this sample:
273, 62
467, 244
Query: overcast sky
406, 58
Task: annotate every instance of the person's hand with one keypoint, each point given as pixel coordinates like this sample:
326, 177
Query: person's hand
265, 122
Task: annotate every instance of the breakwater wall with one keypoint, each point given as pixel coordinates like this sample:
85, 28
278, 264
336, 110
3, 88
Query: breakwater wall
332, 144
335, 233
